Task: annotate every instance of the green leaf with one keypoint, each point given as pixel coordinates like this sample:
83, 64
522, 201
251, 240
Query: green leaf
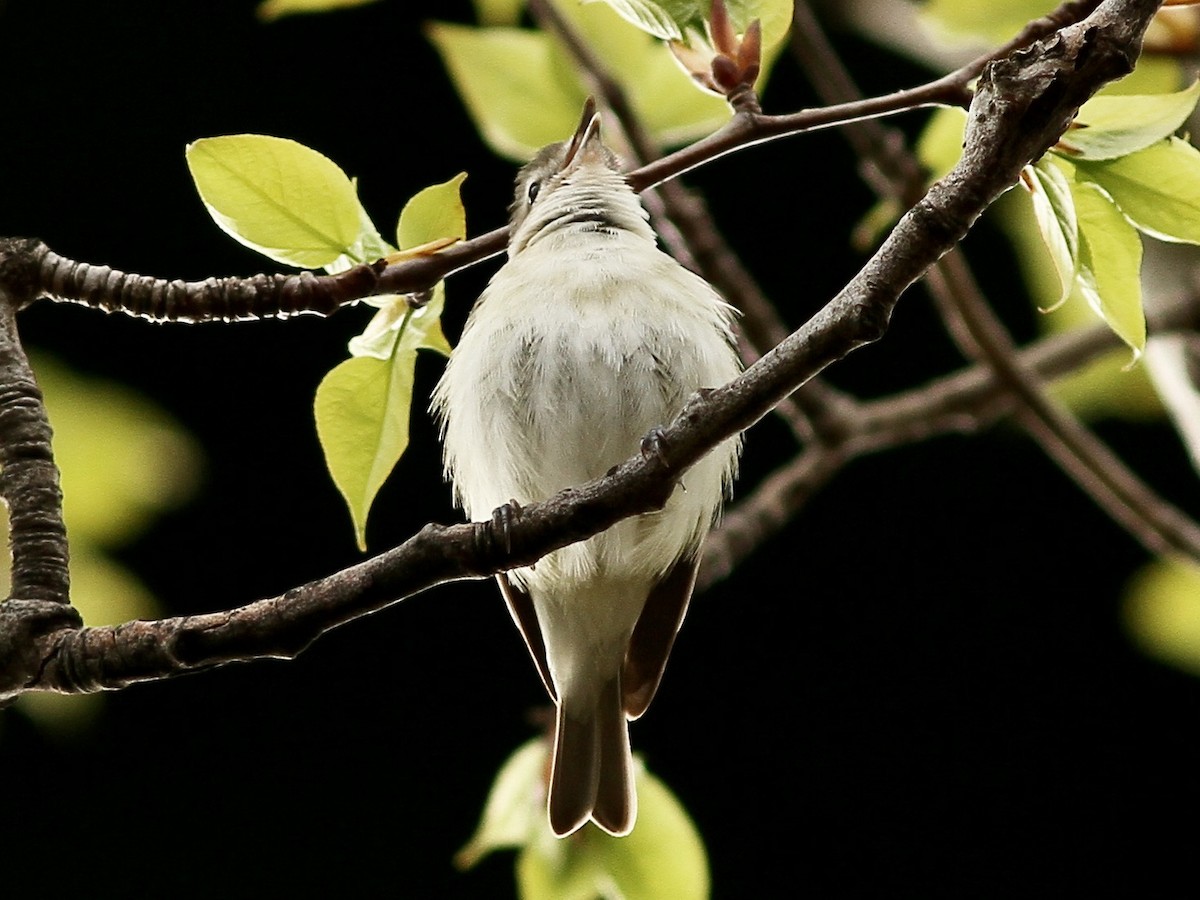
362, 409
662, 857
512, 815
1158, 188
870, 229
277, 197
1162, 611
984, 20
687, 18
1105, 388
650, 17
425, 327
1110, 260
123, 459
396, 325
434, 212
684, 14
1054, 211
940, 145
1152, 75
1112, 126
498, 12
508, 79
559, 876
362, 406
270, 10
775, 17
664, 97
523, 91
431, 214
367, 247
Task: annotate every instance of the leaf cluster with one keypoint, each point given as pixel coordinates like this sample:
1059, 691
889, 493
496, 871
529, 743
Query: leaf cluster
299, 208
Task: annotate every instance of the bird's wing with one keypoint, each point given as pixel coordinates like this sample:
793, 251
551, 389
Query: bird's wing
654, 635
520, 607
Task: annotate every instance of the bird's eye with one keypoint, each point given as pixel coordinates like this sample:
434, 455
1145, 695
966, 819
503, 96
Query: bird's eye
534, 187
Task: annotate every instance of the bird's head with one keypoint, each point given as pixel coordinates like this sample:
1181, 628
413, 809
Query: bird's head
576, 182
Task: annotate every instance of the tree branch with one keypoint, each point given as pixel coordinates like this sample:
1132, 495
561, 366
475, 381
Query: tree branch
966, 402
29, 479
1021, 107
687, 229
270, 296
1156, 524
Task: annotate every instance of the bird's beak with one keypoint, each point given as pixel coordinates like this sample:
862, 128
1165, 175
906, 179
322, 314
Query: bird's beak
585, 142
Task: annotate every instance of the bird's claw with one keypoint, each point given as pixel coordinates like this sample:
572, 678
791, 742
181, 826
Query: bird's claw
503, 519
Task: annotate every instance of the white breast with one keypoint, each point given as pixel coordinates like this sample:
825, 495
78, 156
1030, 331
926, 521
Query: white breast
571, 356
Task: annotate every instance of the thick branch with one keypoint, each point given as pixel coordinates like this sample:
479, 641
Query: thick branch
265, 296
684, 223
966, 402
38, 604
29, 479
1157, 524
1021, 107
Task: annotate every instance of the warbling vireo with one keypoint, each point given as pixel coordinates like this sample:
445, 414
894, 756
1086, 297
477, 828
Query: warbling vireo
585, 340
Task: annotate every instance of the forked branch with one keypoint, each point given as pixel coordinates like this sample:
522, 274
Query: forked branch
1022, 105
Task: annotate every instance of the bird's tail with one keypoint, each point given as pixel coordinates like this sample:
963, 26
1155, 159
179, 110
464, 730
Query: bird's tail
592, 773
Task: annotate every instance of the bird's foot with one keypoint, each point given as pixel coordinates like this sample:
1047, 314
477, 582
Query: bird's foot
503, 519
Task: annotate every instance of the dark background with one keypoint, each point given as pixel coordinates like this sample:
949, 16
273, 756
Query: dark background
921, 688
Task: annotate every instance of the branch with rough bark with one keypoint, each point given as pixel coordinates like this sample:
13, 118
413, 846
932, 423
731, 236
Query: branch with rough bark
1021, 106
817, 411
966, 402
1157, 524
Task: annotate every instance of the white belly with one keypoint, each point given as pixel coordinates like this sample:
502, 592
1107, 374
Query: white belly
558, 377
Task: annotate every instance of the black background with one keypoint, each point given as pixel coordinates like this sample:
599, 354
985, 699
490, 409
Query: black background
921, 688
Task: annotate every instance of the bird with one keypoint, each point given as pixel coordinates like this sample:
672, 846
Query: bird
586, 340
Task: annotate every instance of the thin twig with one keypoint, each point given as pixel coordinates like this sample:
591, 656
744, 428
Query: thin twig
768, 508
965, 402
1157, 524
269, 296
692, 237
1022, 106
